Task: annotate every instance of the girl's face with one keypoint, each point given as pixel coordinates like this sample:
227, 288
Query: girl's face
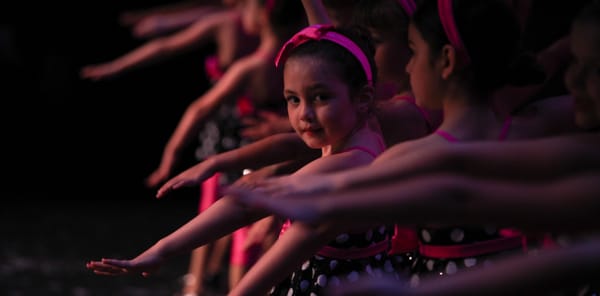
391, 55
424, 77
583, 76
318, 102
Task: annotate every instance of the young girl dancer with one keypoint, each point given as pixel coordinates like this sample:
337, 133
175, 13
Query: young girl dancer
328, 85
527, 191
460, 77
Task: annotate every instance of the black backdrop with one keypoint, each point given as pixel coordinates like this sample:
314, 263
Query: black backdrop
64, 137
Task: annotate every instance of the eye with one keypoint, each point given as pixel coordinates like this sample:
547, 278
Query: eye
292, 100
321, 98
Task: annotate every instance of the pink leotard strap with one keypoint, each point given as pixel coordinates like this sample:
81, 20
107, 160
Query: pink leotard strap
361, 148
510, 239
425, 114
325, 32
447, 18
501, 137
353, 253
446, 135
367, 150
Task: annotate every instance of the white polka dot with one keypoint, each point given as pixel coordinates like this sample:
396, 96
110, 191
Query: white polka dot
414, 281
333, 264
387, 266
369, 235
304, 285
272, 290
429, 264
451, 267
369, 269
342, 238
353, 276
318, 257
290, 292
457, 235
425, 235
470, 262
313, 294
322, 280
305, 265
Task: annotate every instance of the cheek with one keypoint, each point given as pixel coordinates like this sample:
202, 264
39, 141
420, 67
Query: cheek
338, 120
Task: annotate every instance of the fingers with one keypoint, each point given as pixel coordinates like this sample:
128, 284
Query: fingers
116, 262
102, 268
164, 190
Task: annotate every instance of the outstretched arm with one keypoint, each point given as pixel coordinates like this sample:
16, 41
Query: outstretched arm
316, 12
568, 204
161, 48
300, 241
223, 217
268, 151
539, 159
227, 88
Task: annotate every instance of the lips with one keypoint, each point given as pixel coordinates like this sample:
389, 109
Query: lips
312, 130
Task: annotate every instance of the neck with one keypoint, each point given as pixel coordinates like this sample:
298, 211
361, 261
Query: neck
360, 136
466, 118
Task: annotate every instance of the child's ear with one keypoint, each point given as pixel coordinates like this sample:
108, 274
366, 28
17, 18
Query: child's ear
365, 98
447, 61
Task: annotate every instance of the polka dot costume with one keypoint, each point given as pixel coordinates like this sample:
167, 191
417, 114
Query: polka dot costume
320, 272
429, 266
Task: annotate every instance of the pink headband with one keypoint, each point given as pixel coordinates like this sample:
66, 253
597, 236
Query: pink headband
409, 6
447, 19
324, 32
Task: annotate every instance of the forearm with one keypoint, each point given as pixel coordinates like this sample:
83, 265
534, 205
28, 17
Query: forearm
273, 149
181, 19
315, 12
394, 165
147, 54
451, 199
294, 247
222, 218
189, 126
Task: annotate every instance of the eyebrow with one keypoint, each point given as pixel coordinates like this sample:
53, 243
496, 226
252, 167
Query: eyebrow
312, 88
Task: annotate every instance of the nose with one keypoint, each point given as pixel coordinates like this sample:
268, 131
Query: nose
307, 112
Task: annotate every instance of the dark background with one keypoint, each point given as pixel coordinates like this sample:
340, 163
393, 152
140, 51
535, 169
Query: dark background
75, 153
69, 138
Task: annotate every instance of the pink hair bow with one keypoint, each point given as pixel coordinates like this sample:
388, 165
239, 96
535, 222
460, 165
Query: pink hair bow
324, 32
